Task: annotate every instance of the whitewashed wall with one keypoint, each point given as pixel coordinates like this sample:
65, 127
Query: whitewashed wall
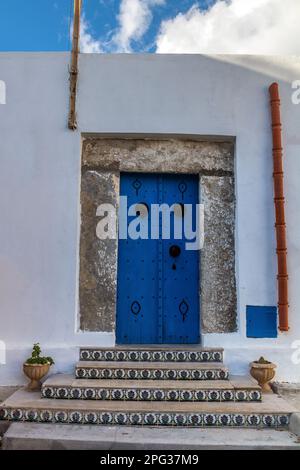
135, 94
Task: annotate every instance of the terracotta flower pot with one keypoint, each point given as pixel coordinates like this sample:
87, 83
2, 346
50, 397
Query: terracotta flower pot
263, 373
35, 372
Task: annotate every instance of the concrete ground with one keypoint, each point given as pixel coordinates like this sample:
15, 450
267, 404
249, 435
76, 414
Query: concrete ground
5, 392
289, 391
33, 436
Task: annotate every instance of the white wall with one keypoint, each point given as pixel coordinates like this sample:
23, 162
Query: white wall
140, 94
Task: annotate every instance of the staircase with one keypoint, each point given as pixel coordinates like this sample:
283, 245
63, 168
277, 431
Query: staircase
154, 386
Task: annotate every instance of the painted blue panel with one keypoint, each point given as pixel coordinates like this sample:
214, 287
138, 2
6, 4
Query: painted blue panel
137, 303
158, 294
261, 321
180, 274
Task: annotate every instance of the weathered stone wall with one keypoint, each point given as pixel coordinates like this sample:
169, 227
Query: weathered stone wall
217, 277
102, 162
160, 156
98, 258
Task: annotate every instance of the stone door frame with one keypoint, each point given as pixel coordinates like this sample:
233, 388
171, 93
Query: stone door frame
103, 159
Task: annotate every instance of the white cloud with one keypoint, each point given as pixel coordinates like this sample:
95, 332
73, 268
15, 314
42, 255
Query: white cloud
134, 19
234, 27
87, 43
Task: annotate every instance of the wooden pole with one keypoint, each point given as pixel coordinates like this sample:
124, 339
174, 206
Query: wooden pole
279, 201
72, 122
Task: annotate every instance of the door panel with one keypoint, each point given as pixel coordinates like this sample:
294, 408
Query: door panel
180, 273
137, 320
158, 280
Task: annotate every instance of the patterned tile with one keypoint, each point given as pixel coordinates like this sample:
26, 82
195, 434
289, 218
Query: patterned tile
117, 394
76, 417
254, 395
105, 418
151, 419
30, 415
61, 417
210, 419
48, 392
186, 395
89, 394
89, 354
62, 392
75, 393
93, 373
86, 355
195, 419
133, 394
97, 356
227, 395
121, 418
151, 374
91, 418
269, 420
239, 420
254, 420
103, 394
145, 395
16, 415
241, 395
80, 373
165, 419
213, 395
46, 416
224, 420
172, 395
135, 419
283, 420
200, 395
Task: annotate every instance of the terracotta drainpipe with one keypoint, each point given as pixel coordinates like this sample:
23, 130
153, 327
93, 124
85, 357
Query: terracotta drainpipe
280, 226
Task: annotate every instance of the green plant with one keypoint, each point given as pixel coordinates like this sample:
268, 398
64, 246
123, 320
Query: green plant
262, 360
36, 357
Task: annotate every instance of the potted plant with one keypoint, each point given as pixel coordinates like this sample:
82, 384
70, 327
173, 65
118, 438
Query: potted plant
263, 371
36, 367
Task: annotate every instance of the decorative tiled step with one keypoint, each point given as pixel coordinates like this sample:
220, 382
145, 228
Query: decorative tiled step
153, 354
28, 406
151, 370
237, 389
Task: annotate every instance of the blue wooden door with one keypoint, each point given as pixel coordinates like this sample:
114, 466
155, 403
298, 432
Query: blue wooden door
158, 278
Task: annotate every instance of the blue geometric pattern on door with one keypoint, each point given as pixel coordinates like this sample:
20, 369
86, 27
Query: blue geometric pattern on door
158, 279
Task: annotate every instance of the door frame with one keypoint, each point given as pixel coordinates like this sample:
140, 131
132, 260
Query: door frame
104, 157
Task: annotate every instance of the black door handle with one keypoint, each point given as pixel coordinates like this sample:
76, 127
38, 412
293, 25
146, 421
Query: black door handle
174, 251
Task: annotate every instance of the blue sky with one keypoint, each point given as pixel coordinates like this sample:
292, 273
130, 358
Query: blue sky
43, 25
173, 26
